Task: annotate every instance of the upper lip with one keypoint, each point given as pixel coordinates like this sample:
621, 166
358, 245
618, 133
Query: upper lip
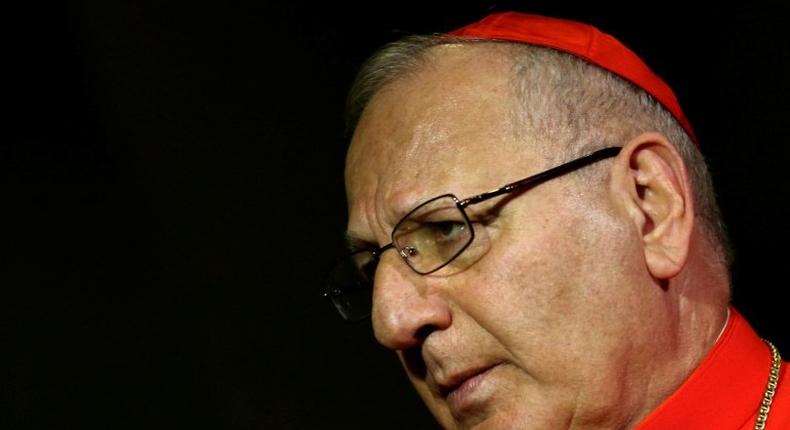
455, 380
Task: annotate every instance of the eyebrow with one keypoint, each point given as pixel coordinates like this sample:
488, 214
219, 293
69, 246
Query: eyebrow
396, 212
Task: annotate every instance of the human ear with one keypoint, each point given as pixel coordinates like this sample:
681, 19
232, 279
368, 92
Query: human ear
651, 186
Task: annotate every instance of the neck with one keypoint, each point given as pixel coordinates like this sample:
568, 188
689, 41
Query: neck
697, 311
702, 300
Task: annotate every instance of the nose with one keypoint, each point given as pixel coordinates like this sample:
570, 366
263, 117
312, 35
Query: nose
406, 308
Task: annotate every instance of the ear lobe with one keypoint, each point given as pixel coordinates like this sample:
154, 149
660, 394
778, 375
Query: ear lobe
651, 185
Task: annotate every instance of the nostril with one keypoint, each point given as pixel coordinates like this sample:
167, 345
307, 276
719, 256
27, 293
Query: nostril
423, 332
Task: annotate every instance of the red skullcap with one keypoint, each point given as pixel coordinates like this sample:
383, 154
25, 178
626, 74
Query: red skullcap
583, 41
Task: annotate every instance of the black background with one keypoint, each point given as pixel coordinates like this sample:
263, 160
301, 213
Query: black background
172, 183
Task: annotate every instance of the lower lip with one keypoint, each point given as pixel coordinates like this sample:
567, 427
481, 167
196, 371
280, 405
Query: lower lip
463, 398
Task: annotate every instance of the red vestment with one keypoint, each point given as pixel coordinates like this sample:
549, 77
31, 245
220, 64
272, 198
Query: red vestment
726, 389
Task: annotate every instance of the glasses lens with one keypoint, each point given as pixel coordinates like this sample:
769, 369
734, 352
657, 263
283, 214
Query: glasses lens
350, 285
433, 234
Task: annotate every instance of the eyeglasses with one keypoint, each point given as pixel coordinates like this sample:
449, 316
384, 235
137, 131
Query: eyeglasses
434, 235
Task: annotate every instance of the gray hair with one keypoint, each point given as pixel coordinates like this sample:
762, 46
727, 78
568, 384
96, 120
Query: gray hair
571, 105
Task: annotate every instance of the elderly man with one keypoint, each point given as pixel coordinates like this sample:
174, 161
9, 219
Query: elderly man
590, 288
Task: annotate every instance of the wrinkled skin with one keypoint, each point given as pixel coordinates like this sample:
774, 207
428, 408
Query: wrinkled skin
562, 313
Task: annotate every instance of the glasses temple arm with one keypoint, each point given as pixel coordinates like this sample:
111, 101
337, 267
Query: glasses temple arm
543, 176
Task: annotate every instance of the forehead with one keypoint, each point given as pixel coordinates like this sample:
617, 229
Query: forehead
446, 128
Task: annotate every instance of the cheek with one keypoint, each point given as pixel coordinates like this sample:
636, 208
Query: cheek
533, 264
518, 290
544, 283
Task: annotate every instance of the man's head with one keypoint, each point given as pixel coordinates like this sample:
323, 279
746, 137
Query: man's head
593, 294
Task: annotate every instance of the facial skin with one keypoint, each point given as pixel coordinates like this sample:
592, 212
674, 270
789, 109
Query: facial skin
580, 314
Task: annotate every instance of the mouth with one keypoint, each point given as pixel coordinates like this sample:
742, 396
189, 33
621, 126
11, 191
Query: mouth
459, 390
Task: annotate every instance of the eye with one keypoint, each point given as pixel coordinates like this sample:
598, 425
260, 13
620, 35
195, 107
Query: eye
446, 231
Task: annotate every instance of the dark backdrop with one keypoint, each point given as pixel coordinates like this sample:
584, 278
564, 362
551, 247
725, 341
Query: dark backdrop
172, 195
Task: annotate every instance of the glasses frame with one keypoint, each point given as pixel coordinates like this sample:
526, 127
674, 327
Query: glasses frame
520, 185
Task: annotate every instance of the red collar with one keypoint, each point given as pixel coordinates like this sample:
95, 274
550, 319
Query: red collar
725, 390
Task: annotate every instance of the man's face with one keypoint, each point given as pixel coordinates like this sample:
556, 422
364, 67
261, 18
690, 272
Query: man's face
547, 329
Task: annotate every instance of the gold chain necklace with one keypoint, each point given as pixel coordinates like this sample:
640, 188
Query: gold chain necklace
770, 390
